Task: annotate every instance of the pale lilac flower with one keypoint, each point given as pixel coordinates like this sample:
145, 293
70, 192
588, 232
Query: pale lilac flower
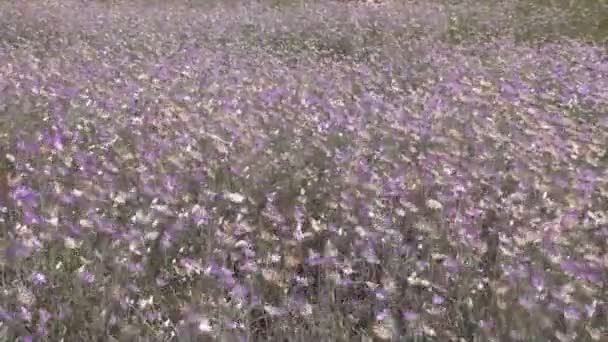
410, 316
86, 277
438, 300
38, 278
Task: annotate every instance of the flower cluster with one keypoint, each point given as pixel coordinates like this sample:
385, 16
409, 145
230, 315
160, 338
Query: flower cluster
256, 173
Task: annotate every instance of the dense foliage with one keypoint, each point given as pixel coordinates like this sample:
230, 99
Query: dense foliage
416, 170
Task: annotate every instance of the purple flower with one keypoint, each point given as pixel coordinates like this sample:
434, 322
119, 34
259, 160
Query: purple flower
487, 324
86, 277
239, 292
30, 218
135, 267
538, 282
590, 309
26, 195
43, 317
318, 260
38, 278
592, 276
382, 315
410, 316
5, 316
18, 250
438, 300
153, 316
527, 302
451, 265
569, 220
570, 267
572, 313
370, 255
382, 294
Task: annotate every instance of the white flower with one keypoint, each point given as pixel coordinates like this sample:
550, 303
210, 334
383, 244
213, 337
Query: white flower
235, 197
205, 326
434, 204
70, 243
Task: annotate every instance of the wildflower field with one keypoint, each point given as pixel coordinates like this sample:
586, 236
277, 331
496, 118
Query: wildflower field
285, 170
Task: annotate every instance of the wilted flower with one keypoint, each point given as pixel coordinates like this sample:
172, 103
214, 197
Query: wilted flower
385, 326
